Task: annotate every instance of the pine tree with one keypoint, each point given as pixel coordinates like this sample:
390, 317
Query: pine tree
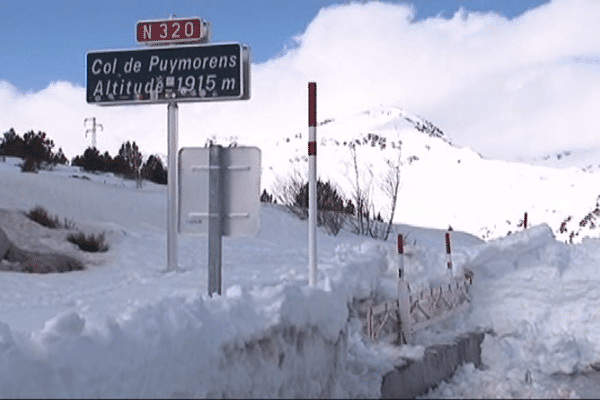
59, 158
91, 160
266, 197
129, 160
349, 209
154, 171
38, 146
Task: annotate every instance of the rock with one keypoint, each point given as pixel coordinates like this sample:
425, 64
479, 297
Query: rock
12, 258
45, 263
9, 251
15, 254
8, 266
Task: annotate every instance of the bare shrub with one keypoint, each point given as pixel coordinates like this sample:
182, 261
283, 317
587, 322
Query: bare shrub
390, 186
333, 221
292, 192
40, 215
91, 243
362, 196
287, 189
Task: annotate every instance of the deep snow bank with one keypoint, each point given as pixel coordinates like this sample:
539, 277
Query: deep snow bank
541, 298
527, 294
530, 248
262, 341
212, 348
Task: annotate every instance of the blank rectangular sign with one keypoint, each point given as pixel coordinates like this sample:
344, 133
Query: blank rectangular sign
240, 190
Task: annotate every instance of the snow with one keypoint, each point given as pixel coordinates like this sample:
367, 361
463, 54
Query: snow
540, 297
126, 328
441, 184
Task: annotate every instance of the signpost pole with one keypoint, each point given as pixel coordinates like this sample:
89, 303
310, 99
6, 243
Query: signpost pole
312, 183
172, 204
214, 220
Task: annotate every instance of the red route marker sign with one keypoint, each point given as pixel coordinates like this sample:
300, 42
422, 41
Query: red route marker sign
181, 30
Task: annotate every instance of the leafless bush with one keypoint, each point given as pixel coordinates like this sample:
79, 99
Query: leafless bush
286, 189
91, 243
333, 221
293, 193
40, 215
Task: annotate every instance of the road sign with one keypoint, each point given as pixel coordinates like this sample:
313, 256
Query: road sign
205, 72
179, 30
238, 196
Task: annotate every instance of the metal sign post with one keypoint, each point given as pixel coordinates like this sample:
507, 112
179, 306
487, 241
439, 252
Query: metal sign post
215, 201
172, 203
229, 207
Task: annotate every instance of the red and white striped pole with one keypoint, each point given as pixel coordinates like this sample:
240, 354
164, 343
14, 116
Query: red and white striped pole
448, 252
312, 183
401, 254
403, 296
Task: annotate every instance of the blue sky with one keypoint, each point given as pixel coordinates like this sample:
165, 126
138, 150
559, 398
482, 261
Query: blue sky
512, 80
46, 41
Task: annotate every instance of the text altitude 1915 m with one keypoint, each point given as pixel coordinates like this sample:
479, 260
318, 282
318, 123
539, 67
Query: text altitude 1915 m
199, 72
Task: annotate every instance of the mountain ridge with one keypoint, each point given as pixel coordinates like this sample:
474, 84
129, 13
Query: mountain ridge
441, 183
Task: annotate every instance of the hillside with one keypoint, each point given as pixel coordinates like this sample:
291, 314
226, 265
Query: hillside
122, 327
441, 183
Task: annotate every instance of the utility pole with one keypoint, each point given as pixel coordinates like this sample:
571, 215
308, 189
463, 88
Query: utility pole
92, 129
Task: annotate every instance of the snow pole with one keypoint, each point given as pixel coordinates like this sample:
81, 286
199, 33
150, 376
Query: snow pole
401, 253
403, 297
448, 252
525, 221
312, 183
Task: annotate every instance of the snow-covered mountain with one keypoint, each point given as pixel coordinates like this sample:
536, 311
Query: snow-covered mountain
587, 160
442, 184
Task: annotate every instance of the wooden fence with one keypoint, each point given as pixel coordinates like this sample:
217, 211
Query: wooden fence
414, 311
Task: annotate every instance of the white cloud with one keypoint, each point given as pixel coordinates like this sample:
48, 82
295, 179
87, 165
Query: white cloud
507, 88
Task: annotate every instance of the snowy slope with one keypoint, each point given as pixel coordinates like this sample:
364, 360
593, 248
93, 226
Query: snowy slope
441, 184
541, 298
586, 159
125, 328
